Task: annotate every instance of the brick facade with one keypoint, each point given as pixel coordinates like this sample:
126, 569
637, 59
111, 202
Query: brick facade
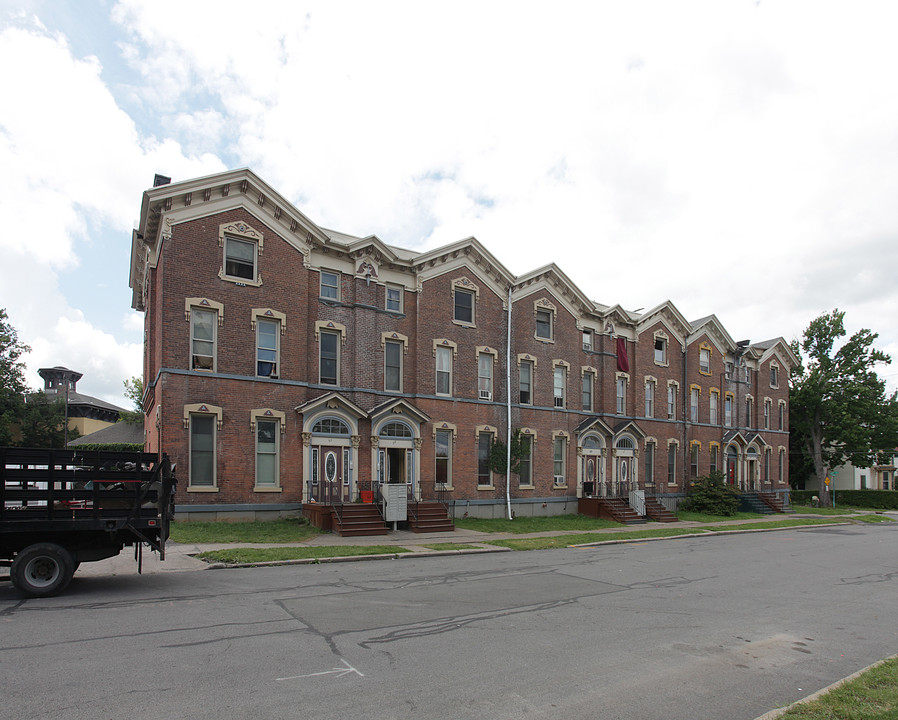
278, 353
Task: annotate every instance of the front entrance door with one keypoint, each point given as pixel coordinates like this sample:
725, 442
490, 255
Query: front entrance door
335, 482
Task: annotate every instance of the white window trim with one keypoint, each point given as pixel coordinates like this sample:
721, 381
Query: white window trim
321, 285
401, 290
240, 231
543, 305
465, 285
453, 356
191, 304
209, 410
280, 418
565, 438
494, 355
661, 335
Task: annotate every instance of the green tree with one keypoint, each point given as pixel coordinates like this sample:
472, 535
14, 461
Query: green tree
499, 454
712, 495
12, 379
42, 422
839, 410
134, 392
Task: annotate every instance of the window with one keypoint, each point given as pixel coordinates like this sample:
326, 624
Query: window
729, 370
267, 434
203, 328
693, 404
587, 340
394, 298
443, 469
558, 385
485, 376
525, 383
671, 402
544, 324
464, 306
240, 259
586, 390
330, 426
774, 376
715, 450
704, 361
661, 351
782, 476
393, 365
767, 465
649, 472
767, 405
728, 410
396, 430
484, 444
524, 471
330, 285
672, 464
621, 395
713, 400
329, 359
782, 418
444, 371
650, 398
748, 405
693, 459
267, 333
560, 446
202, 450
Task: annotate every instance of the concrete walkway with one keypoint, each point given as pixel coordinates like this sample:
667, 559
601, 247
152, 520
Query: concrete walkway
180, 557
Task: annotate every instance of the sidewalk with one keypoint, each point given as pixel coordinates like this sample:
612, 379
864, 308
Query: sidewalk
179, 557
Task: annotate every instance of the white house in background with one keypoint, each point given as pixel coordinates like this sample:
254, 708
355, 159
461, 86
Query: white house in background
877, 477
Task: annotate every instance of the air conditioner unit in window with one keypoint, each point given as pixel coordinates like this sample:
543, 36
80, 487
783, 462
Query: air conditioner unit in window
559, 479
486, 395
587, 347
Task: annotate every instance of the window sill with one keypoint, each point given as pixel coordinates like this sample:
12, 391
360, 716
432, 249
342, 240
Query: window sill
662, 364
200, 489
526, 487
559, 487
462, 323
268, 489
439, 487
486, 487
548, 341
246, 282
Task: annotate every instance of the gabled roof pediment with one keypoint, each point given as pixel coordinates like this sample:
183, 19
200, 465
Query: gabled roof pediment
672, 319
331, 401
715, 331
777, 347
629, 426
596, 424
398, 406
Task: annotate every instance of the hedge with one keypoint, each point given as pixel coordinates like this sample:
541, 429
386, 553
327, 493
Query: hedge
112, 447
870, 499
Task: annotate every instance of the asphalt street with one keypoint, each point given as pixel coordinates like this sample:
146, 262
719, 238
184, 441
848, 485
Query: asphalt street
702, 627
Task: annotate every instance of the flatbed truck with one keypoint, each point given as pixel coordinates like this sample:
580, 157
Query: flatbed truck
60, 508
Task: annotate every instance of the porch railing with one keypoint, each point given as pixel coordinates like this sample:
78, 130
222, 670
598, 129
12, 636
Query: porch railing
637, 501
444, 497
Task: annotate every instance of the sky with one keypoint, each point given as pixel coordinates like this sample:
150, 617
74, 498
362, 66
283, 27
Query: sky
735, 157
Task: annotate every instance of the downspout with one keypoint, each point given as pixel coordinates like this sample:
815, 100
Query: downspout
687, 424
508, 411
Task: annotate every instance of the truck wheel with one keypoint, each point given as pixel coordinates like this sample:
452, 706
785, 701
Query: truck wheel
42, 569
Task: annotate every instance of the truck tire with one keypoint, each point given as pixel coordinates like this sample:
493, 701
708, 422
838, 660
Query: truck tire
42, 569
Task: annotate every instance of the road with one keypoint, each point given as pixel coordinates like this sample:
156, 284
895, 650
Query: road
721, 627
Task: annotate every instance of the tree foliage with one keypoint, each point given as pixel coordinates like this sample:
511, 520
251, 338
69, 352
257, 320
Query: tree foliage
839, 411
520, 449
12, 379
42, 422
134, 392
712, 495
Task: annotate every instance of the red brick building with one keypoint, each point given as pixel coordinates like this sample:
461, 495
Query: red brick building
285, 362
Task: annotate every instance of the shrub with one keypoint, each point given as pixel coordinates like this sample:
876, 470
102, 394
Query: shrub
711, 495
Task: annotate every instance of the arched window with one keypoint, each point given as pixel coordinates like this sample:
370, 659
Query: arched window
396, 430
591, 442
625, 443
330, 426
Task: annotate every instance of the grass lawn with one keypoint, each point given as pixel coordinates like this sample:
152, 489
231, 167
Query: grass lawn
272, 531
871, 696
808, 510
258, 555
534, 524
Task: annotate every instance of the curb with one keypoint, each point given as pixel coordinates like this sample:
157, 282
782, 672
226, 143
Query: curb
351, 558
773, 714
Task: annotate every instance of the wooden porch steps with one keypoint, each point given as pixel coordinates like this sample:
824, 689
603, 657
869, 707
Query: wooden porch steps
616, 509
424, 517
358, 519
774, 502
657, 512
